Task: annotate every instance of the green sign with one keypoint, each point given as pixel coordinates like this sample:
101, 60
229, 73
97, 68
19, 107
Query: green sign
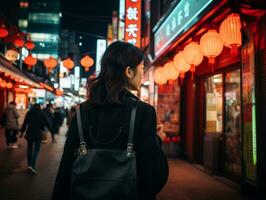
249, 111
184, 16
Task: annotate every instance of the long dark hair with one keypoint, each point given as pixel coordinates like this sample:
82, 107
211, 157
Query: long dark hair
112, 81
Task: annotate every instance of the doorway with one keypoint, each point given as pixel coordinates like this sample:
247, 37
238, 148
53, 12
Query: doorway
222, 143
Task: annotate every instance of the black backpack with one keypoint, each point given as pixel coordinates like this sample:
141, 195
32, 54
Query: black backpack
105, 174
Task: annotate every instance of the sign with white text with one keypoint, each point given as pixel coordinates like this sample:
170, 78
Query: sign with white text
121, 20
133, 22
184, 16
101, 46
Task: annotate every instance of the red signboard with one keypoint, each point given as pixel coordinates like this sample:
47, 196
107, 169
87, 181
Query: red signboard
133, 22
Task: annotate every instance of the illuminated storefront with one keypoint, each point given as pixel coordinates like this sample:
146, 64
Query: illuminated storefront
218, 122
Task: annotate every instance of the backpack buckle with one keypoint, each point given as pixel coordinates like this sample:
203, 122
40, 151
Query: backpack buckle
129, 149
82, 149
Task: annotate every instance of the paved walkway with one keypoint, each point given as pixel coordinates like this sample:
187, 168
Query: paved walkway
186, 182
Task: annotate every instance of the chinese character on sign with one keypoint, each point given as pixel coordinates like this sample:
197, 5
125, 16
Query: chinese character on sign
186, 9
168, 30
132, 29
179, 17
133, 22
173, 24
132, 13
132, 41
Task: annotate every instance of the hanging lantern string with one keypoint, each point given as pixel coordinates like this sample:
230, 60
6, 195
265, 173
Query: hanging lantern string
88, 52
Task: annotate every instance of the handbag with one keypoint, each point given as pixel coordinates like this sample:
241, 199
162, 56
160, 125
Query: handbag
105, 174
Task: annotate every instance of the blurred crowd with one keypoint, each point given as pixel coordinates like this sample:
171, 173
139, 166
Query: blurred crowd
37, 125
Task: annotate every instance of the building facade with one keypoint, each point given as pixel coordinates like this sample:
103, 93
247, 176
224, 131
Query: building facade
222, 103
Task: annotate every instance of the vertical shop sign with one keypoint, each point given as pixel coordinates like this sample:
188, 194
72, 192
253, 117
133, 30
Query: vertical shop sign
115, 25
109, 34
249, 113
121, 20
133, 22
101, 47
77, 78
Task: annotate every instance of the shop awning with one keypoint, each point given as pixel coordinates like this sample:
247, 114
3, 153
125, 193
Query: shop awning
42, 84
9, 70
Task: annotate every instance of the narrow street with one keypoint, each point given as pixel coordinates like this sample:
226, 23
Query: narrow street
186, 182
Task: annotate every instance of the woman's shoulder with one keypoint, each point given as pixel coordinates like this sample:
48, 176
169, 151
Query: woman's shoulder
145, 105
146, 108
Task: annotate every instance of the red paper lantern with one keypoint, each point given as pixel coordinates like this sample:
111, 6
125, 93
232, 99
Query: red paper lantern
3, 32
193, 56
9, 85
230, 31
170, 72
166, 140
30, 61
3, 84
50, 64
178, 139
29, 45
86, 62
181, 65
19, 42
59, 92
159, 76
174, 139
68, 63
211, 45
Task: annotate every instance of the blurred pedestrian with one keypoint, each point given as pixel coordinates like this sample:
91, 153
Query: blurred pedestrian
34, 124
66, 111
11, 125
58, 121
71, 114
107, 119
63, 113
50, 117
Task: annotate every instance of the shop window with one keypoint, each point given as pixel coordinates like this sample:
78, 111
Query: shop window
44, 18
23, 23
44, 37
214, 104
168, 105
42, 56
233, 123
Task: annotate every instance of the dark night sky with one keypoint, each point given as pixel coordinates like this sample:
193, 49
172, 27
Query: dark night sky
88, 16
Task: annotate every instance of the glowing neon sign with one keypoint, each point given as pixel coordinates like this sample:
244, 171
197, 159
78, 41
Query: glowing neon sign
184, 16
133, 22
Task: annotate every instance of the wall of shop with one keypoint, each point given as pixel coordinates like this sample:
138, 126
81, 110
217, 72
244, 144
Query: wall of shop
2, 101
261, 94
188, 119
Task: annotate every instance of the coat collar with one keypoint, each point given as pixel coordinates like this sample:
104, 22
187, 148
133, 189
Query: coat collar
131, 95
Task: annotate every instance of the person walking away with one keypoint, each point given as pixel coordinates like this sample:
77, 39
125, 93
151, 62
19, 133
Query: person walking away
50, 117
11, 125
71, 114
63, 113
58, 121
66, 112
107, 120
34, 123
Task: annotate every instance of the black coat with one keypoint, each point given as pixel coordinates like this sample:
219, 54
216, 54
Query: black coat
57, 122
49, 115
34, 123
152, 166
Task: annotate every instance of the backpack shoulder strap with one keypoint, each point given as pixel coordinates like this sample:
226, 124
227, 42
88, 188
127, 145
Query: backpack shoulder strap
82, 148
131, 128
